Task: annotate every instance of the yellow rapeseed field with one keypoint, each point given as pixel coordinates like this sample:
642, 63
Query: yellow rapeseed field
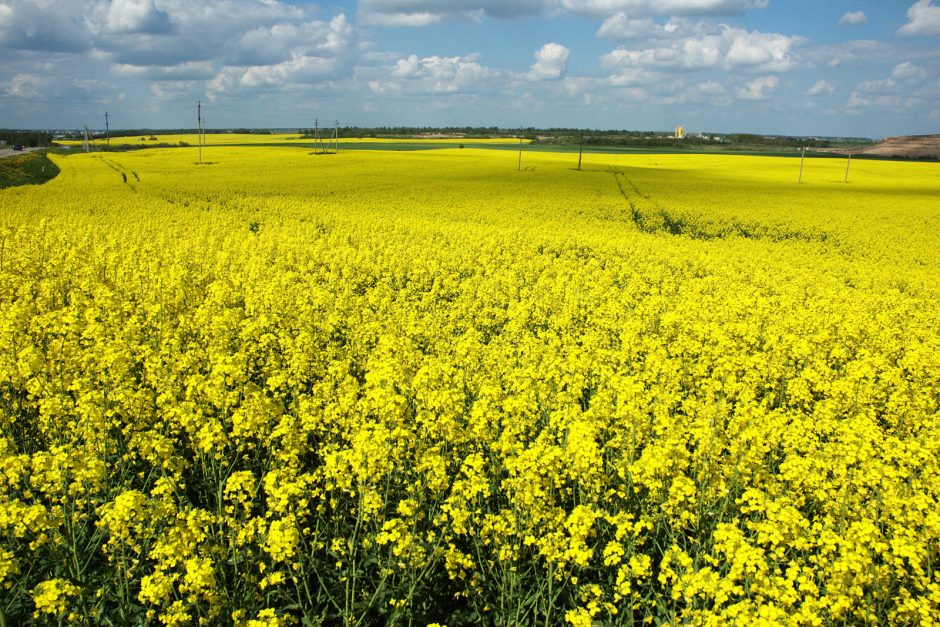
424, 387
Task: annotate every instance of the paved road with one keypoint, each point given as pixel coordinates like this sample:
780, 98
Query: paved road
9, 152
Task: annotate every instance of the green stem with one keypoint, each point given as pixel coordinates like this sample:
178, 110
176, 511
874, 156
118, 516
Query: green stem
548, 607
353, 555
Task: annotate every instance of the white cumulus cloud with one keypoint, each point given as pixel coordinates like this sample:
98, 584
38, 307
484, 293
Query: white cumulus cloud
759, 88
729, 48
621, 26
166, 33
193, 70
853, 18
551, 62
766, 50
137, 16
821, 87
626, 26
415, 19
907, 71
884, 101
287, 40
432, 75
24, 86
662, 7
425, 12
923, 19
408, 67
635, 77
884, 86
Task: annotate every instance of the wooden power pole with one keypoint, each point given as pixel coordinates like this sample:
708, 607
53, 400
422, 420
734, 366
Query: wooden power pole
519, 165
199, 128
802, 156
580, 150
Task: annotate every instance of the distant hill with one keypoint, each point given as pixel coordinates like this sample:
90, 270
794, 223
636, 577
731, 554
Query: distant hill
906, 147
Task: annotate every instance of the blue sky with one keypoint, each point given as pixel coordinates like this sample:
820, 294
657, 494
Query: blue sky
836, 67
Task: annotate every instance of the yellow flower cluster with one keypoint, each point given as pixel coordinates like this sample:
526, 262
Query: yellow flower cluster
52, 597
424, 387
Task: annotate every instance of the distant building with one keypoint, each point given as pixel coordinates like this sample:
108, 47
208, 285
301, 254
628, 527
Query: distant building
680, 132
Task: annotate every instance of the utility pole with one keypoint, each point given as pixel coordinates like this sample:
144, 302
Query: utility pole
318, 141
202, 131
802, 156
519, 165
580, 150
199, 128
107, 132
847, 164
85, 143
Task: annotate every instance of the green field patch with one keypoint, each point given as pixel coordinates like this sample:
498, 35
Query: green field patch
28, 169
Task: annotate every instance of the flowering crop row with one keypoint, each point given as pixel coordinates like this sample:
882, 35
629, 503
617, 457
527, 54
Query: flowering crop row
373, 388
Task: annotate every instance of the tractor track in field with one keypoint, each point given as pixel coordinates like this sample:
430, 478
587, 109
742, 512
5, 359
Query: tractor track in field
651, 217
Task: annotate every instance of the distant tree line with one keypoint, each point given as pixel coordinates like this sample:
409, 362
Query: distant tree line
747, 139
622, 138
148, 133
33, 139
592, 137
470, 132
